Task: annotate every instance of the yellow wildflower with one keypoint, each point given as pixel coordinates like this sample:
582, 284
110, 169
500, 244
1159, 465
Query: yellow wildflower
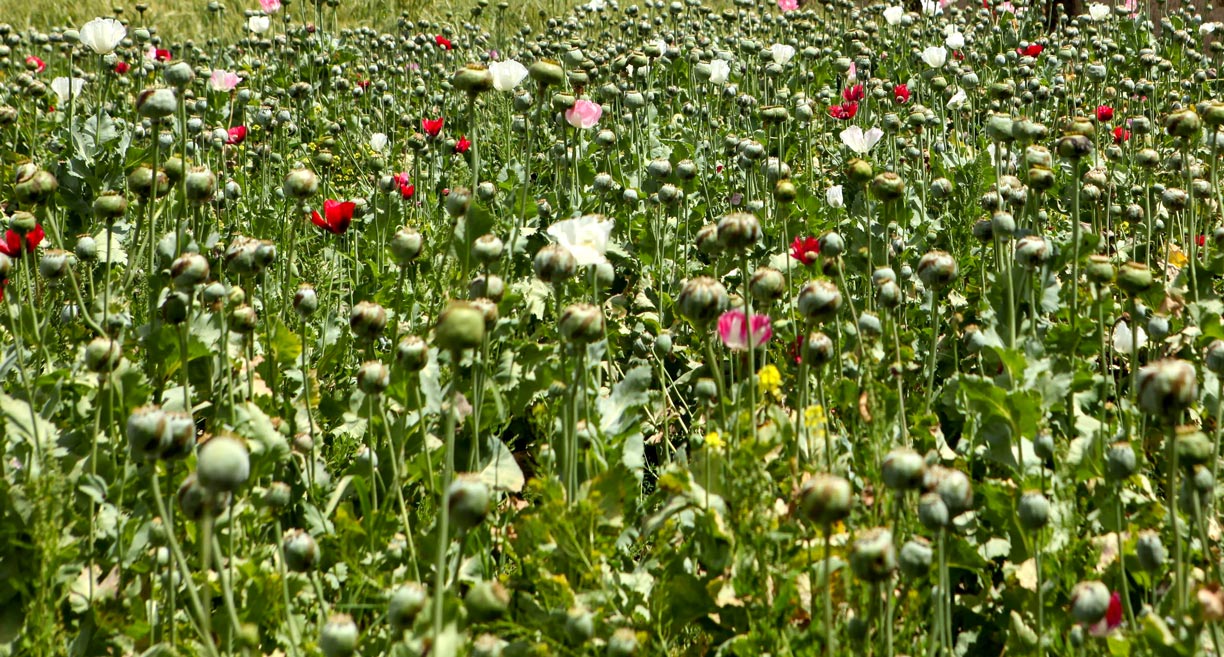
769, 381
714, 441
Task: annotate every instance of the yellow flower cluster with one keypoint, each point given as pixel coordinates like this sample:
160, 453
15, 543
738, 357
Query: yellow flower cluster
714, 441
769, 382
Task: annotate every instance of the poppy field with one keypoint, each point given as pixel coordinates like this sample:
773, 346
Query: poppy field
675, 328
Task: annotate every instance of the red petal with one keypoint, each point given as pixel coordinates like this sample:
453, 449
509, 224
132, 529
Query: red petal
318, 220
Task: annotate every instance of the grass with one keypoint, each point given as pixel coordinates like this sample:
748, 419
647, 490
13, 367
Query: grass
188, 19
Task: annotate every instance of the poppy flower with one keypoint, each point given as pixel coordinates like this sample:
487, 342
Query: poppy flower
1112, 619
901, 94
805, 249
843, 112
432, 126
158, 54
853, 94
1201, 240
13, 245
236, 135
738, 332
958, 55
406, 188
444, 42
1104, 113
463, 145
122, 68
1120, 134
36, 64
336, 216
1031, 50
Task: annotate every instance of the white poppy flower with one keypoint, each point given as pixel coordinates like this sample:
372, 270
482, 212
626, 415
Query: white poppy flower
66, 89
833, 196
782, 53
103, 35
1122, 337
719, 71
259, 24
955, 40
892, 15
935, 56
378, 142
858, 141
1098, 11
1208, 28
507, 75
958, 99
585, 237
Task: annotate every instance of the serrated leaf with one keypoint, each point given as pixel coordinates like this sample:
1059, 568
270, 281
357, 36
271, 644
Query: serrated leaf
501, 471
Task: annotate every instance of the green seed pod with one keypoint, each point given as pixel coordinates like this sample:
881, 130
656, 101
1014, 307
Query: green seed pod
460, 326
368, 320
739, 230
1183, 123
1120, 462
103, 354
179, 74
176, 307
301, 551
189, 270
487, 249
915, 558
406, 245
1193, 447
201, 184
832, 244
818, 349
486, 601
1100, 270
1074, 147
903, 469
305, 300
953, 487
1033, 510
1135, 278
301, 184
54, 264
824, 500
36, 188
223, 464
243, 319
859, 170
937, 270
373, 378
1167, 387
473, 79
1032, 251
582, 323
412, 353
1089, 602
140, 180
554, 264
1213, 357
887, 187
338, 636
110, 206
406, 603
873, 557
145, 427
156, 103
489, 286
819, 300
702, 299
196, 500
767, 284
1150, 551
546, 72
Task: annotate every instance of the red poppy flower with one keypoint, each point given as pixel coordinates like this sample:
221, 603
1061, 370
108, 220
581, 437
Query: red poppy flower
805, 249
35, 63
1201, 240
958, 55
364, 84
236, 135
13, 244
444, 42
1032, 50
901, 94
432, 126
406, 188
336, 216
160, 54
843, 112
853, 94
463, 145
122, 68
1120, 134
1104, 113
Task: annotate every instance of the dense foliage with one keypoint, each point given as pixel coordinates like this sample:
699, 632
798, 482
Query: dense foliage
663, 330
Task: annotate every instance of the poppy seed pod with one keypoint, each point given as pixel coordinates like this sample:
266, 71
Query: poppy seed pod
201, 184
702, 299
86, 248
486, 600
406, 245
1120, 461
489, 286
554, 264
301, 184
305, 300
338, 636
932, 512
824, 500
373, 378
859, 170
1167, 387
189, 270
915, 558
406, 603
1032, 251
1213, 357
458, 201
785, 191
54, 264
141, 181
368, 320
832, 244
243, 319
1135, 278
195, 500
903, 469
546, 72
1089, 602
1074, 147
1151, 551
102, 354
473, 79
301, 551
582, 323
739, 230
144, 430
412, 353
873, 558
1033, 510
1193, 447
37, 187
767, 284
819, 300
460, 326
487, 249
223, 464
1213, 113
156, 103
1100, 270
953, 487
179, 74
707, 240
1183, 123
937, 270
817, 349
110, 206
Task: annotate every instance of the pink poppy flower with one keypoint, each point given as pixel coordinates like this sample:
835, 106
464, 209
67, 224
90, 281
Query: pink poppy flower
737, 332
270, 6
584, 114
788, 5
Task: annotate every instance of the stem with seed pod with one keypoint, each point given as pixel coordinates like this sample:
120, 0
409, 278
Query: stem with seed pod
448, 472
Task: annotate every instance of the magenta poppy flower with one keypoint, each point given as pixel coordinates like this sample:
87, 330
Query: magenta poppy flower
584, 114
737, 332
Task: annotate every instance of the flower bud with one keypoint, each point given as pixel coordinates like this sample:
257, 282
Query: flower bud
368, 320
554, 264
301, 184
305, 300
903, 469
486, 600
223, 464
739, 230
301, 551
873, 557
937, 270
824, 500
582, 323
406, 603
460, 326
373, 378
1167, 387
406, 245
1089, 602
819, 300
338, 636
702, 299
